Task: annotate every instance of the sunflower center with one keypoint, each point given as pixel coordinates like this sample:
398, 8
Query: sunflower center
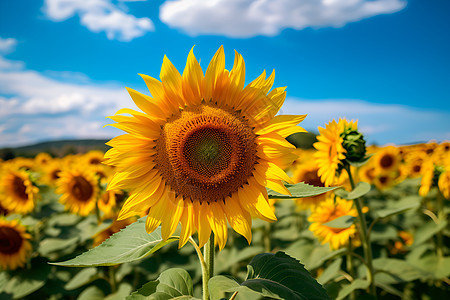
81, 188
386, 161
19, 188
10, 240
312, 178
206, 153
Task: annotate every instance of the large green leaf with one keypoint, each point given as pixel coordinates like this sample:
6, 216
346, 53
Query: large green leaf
130, 244
360, 190
83, 277
330, 272
171, 284
277, 276
356, 284
402, 206
301, 190
396, 271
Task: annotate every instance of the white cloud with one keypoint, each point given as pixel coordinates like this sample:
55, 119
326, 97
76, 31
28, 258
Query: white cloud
99, 16
381, 123
246, 18
7, 45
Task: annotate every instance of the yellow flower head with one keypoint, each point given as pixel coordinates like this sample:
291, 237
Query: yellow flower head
387, 160
43, 159
327, 211
17, 192
79, 189
444, 183
94, 157
14, 244
330, 151
203, 150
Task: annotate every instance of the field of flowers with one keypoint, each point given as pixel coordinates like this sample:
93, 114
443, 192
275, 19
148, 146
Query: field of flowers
54, 209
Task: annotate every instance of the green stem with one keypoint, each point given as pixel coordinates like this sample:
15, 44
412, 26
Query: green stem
350, 268
441, 218
363, 233
266, 237
205, 269
112, 278
208, 253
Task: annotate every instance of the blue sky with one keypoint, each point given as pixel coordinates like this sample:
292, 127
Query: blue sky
64, 64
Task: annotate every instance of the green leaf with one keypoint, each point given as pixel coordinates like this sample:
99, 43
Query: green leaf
130, 244
171, 284
360, 190
26, 281
356, 284
51, 245
341, 222
122, 292
301, 190
330, 272
278, 276
396, 271
81, 278
402, 206
427, 231
92, 293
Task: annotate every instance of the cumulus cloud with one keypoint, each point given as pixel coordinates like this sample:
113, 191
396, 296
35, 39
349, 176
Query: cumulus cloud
99, 16
246, 18
381, 123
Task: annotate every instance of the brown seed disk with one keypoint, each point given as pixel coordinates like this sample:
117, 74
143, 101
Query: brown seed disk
81, 188
19, 188
10, 240
386, 161
206, 153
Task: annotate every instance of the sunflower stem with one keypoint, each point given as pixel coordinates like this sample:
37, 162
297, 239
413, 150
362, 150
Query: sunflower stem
112, 278
363, 233
441, 218
208, 253
266, 238
350, 268
205, 269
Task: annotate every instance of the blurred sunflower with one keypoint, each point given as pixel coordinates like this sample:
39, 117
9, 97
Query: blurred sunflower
204, 150
384, 180
107, 203
51, 172
42, 159
79, 189
444, 183
427, 178
94, 157
17, 192
330, 151
14, 244
327, 211
386, 160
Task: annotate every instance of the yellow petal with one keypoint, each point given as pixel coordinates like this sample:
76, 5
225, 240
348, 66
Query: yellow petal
239, 219
192, 80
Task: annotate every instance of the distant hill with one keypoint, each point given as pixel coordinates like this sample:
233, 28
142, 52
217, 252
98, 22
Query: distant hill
55, 148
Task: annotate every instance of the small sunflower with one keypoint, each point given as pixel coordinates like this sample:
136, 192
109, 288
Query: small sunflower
79, 189
384, 180
14, 244
203, 150
327, 211
51, 172
94, 157
17, 192
107, 203
387, 160
330, 151
427, 178
43, 159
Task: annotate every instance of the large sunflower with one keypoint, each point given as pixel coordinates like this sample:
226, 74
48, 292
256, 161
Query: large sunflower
78, 189
327, 211
14, 244
203, 150
330, 151
17, 192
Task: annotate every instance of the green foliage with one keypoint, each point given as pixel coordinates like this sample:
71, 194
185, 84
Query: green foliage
360, 190
300, 190
130, 244
171, 284
277, 276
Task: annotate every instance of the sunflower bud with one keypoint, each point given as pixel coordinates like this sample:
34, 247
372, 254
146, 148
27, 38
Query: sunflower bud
355, 145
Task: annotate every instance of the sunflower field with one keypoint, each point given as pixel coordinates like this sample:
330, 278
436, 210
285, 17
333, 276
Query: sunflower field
203, 197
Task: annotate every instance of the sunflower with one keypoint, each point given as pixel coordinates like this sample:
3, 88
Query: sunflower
330, 151
14, 244
384, 180
203, 150
51, 172
327, 211
79, 189
444, 183
42, 159
107, 203
427, 178
17, 192
307, 173
94, 157
387, 160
